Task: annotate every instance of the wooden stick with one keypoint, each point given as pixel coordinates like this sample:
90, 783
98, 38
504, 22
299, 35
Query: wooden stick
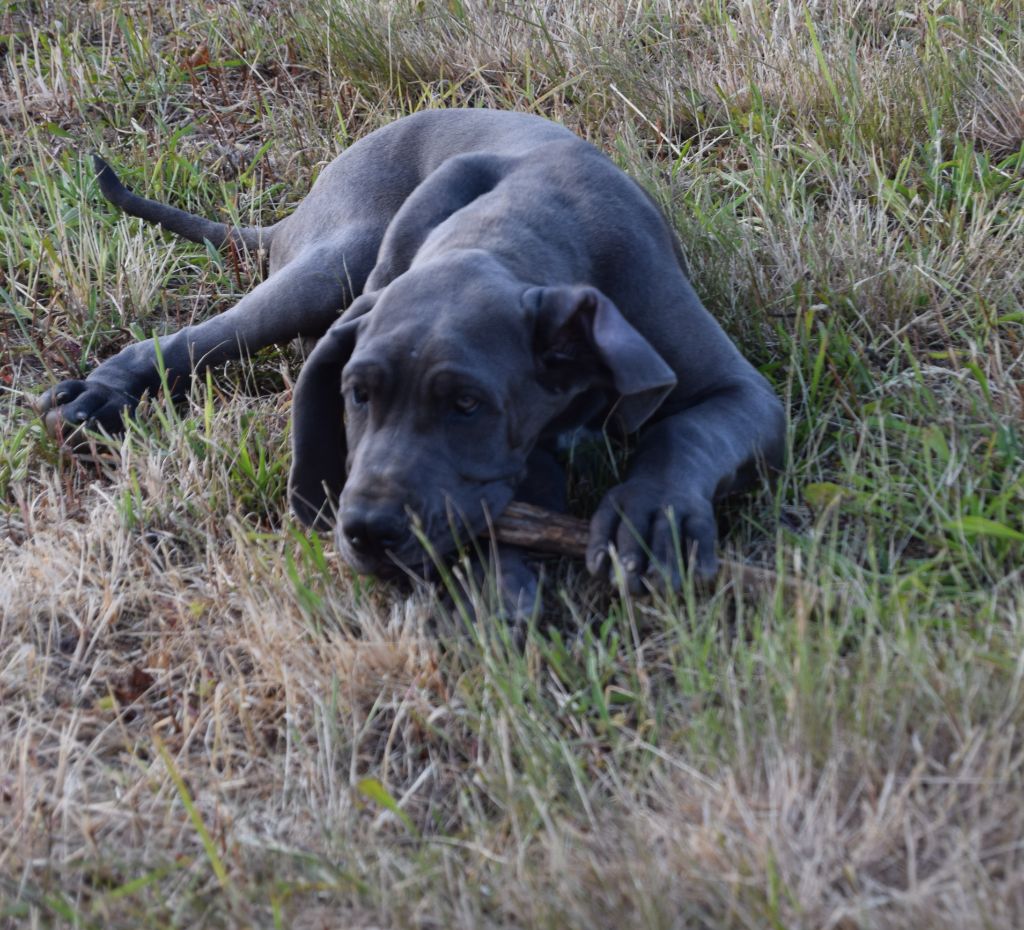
541, 530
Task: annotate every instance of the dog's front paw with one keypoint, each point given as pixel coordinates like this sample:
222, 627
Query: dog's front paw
518, 585
70, 408
651, 525
510, 585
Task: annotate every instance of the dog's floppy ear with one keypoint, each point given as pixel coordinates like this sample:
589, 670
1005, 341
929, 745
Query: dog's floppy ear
318, 433
581, 337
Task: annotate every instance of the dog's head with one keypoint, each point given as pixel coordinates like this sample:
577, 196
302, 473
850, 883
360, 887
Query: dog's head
444, 381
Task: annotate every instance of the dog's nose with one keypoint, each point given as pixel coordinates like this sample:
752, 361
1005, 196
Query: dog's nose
372, 532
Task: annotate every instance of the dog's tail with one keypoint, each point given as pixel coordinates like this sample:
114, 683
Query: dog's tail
188, 225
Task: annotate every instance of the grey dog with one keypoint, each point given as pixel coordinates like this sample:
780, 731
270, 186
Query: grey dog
499, 283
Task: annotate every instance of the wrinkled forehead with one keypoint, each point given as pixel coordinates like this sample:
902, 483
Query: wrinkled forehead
465, 320
412, 344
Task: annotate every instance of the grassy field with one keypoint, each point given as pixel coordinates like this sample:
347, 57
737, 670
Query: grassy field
206, 720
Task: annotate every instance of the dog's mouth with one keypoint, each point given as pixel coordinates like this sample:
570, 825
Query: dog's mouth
389, 566
428, 541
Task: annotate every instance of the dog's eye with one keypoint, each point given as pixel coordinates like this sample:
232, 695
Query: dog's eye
466, 404
359, 395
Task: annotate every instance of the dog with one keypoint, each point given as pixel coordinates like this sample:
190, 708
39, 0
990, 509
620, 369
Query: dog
480, 284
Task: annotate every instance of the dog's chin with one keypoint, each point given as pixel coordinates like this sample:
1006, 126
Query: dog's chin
391, 567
